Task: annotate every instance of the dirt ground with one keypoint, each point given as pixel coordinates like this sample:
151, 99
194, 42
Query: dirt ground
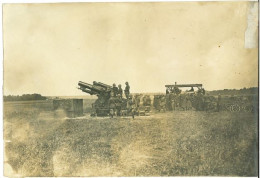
181, 143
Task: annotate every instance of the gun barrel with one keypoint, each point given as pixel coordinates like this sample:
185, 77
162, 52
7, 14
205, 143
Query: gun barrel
90, 87
85, 85
103, 85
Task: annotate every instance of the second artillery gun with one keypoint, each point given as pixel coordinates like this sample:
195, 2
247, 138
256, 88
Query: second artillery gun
106, 104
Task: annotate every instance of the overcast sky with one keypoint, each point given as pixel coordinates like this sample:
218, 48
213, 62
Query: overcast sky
48, 48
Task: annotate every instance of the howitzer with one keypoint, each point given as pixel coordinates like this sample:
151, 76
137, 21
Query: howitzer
102, 91
106, 104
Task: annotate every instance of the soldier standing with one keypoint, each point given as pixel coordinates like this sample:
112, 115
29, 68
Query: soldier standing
162, 103
189, 104
131, 106
127, 90
203, 91
173, 104
115, 90
120, 91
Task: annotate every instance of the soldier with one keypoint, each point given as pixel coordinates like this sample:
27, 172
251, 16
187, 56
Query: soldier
162, 103
111, 113
127, 90
176, 90
118, 107
115, 90
120, 91
137, 100
112, 107
173, 104
189, 104
185, 104
131, 106
203, 91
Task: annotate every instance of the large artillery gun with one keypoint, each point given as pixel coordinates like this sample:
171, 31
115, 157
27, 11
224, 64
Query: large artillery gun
107, 103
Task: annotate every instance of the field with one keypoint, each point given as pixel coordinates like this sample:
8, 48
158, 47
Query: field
41, 142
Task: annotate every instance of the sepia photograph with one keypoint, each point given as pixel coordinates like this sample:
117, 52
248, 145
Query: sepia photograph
123, 89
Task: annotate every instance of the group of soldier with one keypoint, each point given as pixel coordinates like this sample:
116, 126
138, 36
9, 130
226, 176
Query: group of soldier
132, 105
118, 91
118, 103
176, 100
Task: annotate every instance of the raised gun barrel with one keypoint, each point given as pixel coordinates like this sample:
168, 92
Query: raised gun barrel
84, 85
96, 89
107, 87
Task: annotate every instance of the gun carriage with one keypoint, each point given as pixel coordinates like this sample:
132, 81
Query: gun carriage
109, 103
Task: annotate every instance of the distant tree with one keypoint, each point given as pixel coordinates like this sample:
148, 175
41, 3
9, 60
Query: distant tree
25, 97
243, 91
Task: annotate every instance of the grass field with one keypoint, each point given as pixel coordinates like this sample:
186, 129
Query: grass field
40, 142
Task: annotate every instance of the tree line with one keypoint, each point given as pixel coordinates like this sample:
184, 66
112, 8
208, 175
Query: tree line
24, 97
242, 91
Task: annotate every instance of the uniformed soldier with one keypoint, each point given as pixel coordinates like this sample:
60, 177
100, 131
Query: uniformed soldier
111, 113
137, 100
120, 91
131, 106
176, 90
203, 91
162, 103
127, 90
189, 104
173, 104
115, 90
112, 107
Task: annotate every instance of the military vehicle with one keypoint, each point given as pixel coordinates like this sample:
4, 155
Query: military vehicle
200, 101
107, 103
176, 99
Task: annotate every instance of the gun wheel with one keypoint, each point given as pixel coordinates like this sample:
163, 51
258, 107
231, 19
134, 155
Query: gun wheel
249, 108
235, 108
228, 107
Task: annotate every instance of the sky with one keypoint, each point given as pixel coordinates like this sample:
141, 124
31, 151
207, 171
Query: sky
48, 48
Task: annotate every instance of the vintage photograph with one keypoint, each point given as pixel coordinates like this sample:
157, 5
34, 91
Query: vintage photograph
130, 89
